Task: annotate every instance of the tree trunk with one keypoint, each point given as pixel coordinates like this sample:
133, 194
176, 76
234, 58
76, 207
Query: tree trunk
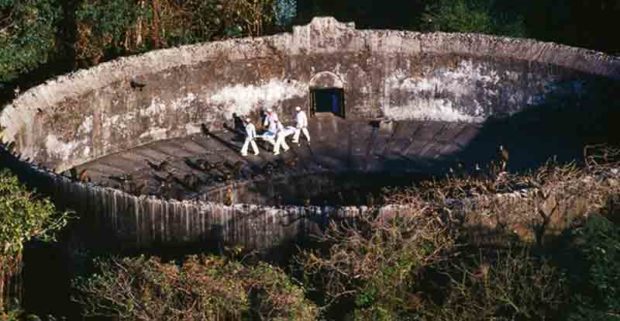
155, 26
139, 25
10, 280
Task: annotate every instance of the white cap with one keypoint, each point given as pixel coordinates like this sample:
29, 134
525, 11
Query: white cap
269, 110
248, 120
298, 108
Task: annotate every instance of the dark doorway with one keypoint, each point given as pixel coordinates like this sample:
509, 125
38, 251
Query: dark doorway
328, 100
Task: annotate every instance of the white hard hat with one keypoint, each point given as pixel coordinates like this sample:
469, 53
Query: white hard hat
269, 110
298, 108
248, 120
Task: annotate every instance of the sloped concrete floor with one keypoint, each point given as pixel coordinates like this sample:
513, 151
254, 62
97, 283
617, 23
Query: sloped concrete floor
202, 163
208, 166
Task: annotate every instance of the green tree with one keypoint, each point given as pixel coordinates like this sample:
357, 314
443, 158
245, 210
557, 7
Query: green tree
479, 16
27, 35
23, 216
104, 28
107, 29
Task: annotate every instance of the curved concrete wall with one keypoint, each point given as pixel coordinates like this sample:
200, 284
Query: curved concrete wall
112, 219
169, 93
385, 74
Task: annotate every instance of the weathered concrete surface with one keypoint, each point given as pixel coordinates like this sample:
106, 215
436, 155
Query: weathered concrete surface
171, 169
112, 219
499, 90
390, 74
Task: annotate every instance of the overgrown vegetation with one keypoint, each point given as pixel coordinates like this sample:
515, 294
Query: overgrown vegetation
27, 35
491, 246
23, 216
83, 33
488, 246
371, 262
507, 284
111, 28
202, 288
599, 247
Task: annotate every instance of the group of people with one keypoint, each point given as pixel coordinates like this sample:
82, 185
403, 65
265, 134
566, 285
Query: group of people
276, 132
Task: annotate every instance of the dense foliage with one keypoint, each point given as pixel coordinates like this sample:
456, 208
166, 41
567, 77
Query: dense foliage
202, 288
33, 33
599, 295
372, 261
27, 35
118, 27
573, 22
494, 246
70, 33
504, 284
23, 216
472, 16
478, 248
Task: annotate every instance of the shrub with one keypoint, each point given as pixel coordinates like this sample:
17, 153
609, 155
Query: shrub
400, 263
372, 261
502, 285
23, 216
598, 297
202, 288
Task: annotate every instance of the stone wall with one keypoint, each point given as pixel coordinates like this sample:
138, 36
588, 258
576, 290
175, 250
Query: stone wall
385, 74
111, 219
170, 93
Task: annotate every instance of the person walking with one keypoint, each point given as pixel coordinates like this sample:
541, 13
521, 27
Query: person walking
281, 134
271, 120
250, 136
301, 125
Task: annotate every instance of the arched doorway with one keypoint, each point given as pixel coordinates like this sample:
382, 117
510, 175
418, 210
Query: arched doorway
327, 94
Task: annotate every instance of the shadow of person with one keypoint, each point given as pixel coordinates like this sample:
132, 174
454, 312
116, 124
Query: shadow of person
238, 127
238, 123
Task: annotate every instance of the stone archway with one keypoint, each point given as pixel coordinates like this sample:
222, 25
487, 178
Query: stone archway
327, 94
326, 79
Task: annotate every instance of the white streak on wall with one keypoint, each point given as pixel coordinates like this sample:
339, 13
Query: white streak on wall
158, 111
61, 149
437, 96
192, 129
431, 109
86, 127
155, 133
183, 103
242, 99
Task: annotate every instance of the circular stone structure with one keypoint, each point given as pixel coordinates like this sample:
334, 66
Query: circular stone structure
146, 148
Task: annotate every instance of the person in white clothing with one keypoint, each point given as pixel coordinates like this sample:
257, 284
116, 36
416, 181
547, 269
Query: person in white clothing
281, 134
271, 120
301, 125
250, 136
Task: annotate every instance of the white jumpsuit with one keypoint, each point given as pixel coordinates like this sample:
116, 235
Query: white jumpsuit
281, 134
301, 126
250, 135
271, 121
